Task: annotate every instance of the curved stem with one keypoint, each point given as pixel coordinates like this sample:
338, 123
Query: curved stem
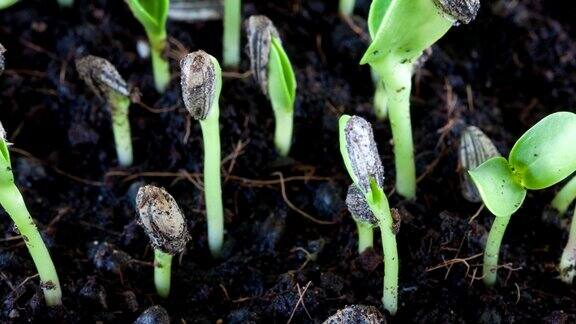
162, 272
365, 236
565, 196
13, 203
212, 183
568, 259
283, 130
232, 22
397, 77
121, 127
160, 66
492, 250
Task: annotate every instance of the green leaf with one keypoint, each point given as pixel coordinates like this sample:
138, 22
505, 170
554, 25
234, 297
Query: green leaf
499, 190
152, 14
281, 79
546, 153
376, 14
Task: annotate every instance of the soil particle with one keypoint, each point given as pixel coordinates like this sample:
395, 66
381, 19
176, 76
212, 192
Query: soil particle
107, 257
358, 314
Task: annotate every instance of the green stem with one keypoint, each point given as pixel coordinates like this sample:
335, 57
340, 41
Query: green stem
346, 7
568, 259
380, 101
565, 196
162, 272
66, 3
160, 66
13, 203
212, 182
365, 236
492, 251
121, 128
283, 130
397, 77
232, 22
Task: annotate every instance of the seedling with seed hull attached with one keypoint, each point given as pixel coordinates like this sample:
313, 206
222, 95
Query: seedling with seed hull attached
105, 81
273, 73
401, 30
165, 225
201, 85
362, 161
542, 157
152, 14
12, 201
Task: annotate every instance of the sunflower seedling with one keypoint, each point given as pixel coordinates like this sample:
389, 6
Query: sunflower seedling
232, 23
152, 14
201, 85
565, 196
475, 149
401, 30
273, 73
165, 225
12, 201
542, 157
105, 81
362, 161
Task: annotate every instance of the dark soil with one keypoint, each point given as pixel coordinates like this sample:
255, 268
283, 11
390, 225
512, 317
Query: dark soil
510, 67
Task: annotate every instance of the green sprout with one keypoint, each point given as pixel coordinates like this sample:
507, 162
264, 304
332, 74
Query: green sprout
12, 201
201, 85
6, 3
542, 157
273, 73
363, 217
105, 81
165, 225
362, 161
565, 196
152, 14
401, 30
568, 259
346, 7
232, 23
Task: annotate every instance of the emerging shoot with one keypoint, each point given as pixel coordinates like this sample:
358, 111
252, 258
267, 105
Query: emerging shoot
152, 14
273, 73
542, 157
565, 196
568, 259
12, 201
346, 7
201, 85
363, 217
165, 225
232, 23
401, 30
362, 161
105, 81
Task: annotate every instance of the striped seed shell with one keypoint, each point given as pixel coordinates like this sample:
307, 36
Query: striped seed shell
475, 149
358, 207
198, 83
101, 76
461, 10
162, 220
363, 153
260, 32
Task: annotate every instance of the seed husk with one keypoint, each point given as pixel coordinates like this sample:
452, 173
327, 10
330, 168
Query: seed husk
260, 33
101, 76
461, 10
198, 83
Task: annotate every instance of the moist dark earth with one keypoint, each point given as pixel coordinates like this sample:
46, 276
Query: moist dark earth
289, 257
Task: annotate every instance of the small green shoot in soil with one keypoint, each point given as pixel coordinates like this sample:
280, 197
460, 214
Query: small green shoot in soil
152, 14
275, 76
105, 81
401, 31
232, 22
565, 196
542, 157
165, 225
362, 161
201, 85
12, 201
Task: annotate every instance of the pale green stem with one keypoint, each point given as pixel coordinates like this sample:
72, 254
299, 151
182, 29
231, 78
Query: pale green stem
346, 7
162, 272
568, 259
397, 78
160, 66
565, 196
283, 130
13, 203
121, 127
232, 23
492, 250
365, 236
212, 183
66, 3
380, 101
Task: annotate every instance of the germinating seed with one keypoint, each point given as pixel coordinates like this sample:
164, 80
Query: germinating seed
358, 207
101, 76
260, 33
198, 83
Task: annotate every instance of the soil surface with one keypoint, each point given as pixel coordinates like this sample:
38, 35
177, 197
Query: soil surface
290, 254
